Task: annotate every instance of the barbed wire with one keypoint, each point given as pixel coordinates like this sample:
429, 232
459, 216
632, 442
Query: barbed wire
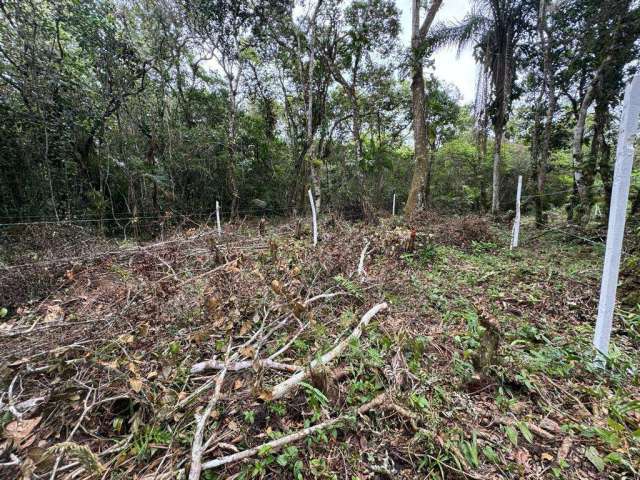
161, 217
132, 250
547, 194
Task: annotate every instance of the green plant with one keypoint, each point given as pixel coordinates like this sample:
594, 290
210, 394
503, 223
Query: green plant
289, 457
470, 450
148, 436
249, 416
277, 408
350, 286
418, 401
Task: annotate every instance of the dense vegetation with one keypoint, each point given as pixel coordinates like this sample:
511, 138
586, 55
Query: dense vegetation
143, 109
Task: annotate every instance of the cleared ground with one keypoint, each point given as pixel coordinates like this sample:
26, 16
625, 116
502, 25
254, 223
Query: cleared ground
483, 357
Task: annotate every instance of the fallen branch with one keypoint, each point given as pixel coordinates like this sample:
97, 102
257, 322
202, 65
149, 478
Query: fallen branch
244, 365
281, 389
198, 447
293, 437
323, 296
361, 271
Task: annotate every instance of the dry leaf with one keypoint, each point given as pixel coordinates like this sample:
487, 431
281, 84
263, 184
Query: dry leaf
136, 384
550, 425
276, 286
212, 303
522, 457
55, 313
126, 338
112, 365
238, 384
547, 456
19, 430
298, 309
143, 329
247, 352
266, 395
246, 327
199, 337
563, 451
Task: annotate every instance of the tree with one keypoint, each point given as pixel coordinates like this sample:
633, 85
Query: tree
495, 28
419, 47
363, 29
223, 26
598, 40
541, 146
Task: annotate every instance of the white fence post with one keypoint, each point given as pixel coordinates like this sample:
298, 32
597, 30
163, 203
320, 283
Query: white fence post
617, 214
218, 218
315, 222
515, 233
393, 209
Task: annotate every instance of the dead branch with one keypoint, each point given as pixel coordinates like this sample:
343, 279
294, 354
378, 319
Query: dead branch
244, 365
198, 448
323, 296
361, 271
289, 343
293, 437
286, 386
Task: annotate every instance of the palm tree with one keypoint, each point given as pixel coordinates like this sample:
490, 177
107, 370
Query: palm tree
494, 28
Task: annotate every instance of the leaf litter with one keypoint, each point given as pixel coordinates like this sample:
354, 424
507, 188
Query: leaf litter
99, 377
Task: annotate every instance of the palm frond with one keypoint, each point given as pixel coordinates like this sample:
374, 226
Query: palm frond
462, 33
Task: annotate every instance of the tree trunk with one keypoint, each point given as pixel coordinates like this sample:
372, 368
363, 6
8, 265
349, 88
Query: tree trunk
535, 152
420, 141
502, 84
312, 150
497, 160
606, 175
582, 210
356, 126
421, 169
548, 74
232, 184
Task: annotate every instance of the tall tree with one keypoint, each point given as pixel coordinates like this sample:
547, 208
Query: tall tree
419, 47
363, 29
598, 41
495, 27
224, 27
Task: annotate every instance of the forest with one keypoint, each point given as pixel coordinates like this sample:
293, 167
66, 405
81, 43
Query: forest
119, 111
267, 239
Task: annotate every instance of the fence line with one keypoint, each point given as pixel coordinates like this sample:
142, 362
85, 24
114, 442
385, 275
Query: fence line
131, 251
144, 217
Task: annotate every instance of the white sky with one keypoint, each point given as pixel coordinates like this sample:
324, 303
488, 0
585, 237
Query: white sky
457, 70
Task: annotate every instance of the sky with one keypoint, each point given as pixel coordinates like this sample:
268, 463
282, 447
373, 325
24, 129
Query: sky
457, 70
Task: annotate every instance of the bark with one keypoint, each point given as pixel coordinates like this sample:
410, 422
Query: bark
312, 151
232, 118
606, 175
503, 79
576, 145
548, 82
421, 169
